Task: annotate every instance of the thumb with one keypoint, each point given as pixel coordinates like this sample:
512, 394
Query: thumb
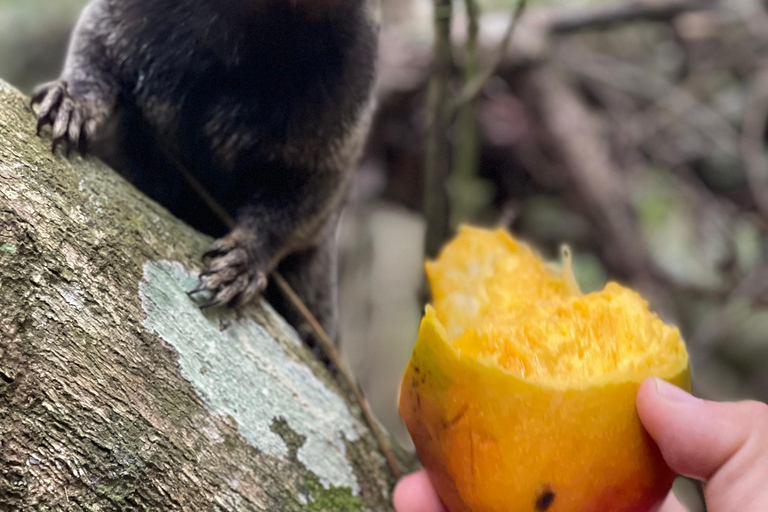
724, 444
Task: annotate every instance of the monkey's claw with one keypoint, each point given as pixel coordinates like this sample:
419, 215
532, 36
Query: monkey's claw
232, 277
66, 116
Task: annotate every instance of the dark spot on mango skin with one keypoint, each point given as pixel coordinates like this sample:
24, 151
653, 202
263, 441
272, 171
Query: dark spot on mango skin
544, 499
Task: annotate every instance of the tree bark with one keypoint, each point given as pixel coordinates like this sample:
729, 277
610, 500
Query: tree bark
118, 393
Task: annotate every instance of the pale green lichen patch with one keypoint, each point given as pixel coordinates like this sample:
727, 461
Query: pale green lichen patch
8, 248
240, 371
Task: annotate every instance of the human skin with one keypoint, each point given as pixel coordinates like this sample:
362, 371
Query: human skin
724, 444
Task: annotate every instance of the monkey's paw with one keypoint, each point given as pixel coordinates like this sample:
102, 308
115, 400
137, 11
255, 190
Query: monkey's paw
67, 116
232, 277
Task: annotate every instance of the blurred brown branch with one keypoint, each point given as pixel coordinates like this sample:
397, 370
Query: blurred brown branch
753, 141
569, 20
594, 180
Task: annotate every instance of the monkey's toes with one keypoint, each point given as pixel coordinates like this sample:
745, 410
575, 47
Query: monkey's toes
63, 113
231, 279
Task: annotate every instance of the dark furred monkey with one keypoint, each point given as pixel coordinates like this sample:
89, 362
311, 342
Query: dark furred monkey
265, 102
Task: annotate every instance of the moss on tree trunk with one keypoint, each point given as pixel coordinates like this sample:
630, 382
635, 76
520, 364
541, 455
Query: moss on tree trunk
118, 393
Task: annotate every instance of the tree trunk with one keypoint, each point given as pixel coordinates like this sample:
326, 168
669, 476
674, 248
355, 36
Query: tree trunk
118, 393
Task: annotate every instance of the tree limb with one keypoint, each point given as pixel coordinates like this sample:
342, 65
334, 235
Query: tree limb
118, 393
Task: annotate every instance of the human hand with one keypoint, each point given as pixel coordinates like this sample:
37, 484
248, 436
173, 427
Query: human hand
723, 444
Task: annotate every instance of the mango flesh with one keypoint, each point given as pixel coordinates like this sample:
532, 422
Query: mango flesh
520, 394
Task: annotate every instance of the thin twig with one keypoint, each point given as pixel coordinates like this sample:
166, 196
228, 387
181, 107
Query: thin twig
321, 337
473, 88
329, 348
200, 190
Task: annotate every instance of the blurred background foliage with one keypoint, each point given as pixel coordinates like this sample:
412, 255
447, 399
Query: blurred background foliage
632, 130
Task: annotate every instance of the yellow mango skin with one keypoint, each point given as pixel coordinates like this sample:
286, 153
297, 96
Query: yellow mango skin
493, 442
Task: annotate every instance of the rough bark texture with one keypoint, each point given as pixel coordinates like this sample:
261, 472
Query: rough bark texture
118, 393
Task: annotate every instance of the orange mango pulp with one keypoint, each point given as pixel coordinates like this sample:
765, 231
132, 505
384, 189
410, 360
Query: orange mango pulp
520, 394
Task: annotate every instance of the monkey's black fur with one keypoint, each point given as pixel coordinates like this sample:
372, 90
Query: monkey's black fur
265, 102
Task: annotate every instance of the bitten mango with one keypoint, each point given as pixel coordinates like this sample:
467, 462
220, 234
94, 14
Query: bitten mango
520, 394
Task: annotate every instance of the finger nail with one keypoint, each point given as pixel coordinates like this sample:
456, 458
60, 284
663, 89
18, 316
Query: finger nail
672, 393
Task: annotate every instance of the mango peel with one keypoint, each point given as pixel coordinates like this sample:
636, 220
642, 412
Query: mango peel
520, 393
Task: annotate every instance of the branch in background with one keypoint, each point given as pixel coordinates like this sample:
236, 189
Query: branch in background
438, 146
565, 21
638, 82
469, 194
595, 183
753, 142
474, 87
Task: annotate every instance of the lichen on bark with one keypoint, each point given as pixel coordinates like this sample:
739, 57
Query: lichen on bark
112, 398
